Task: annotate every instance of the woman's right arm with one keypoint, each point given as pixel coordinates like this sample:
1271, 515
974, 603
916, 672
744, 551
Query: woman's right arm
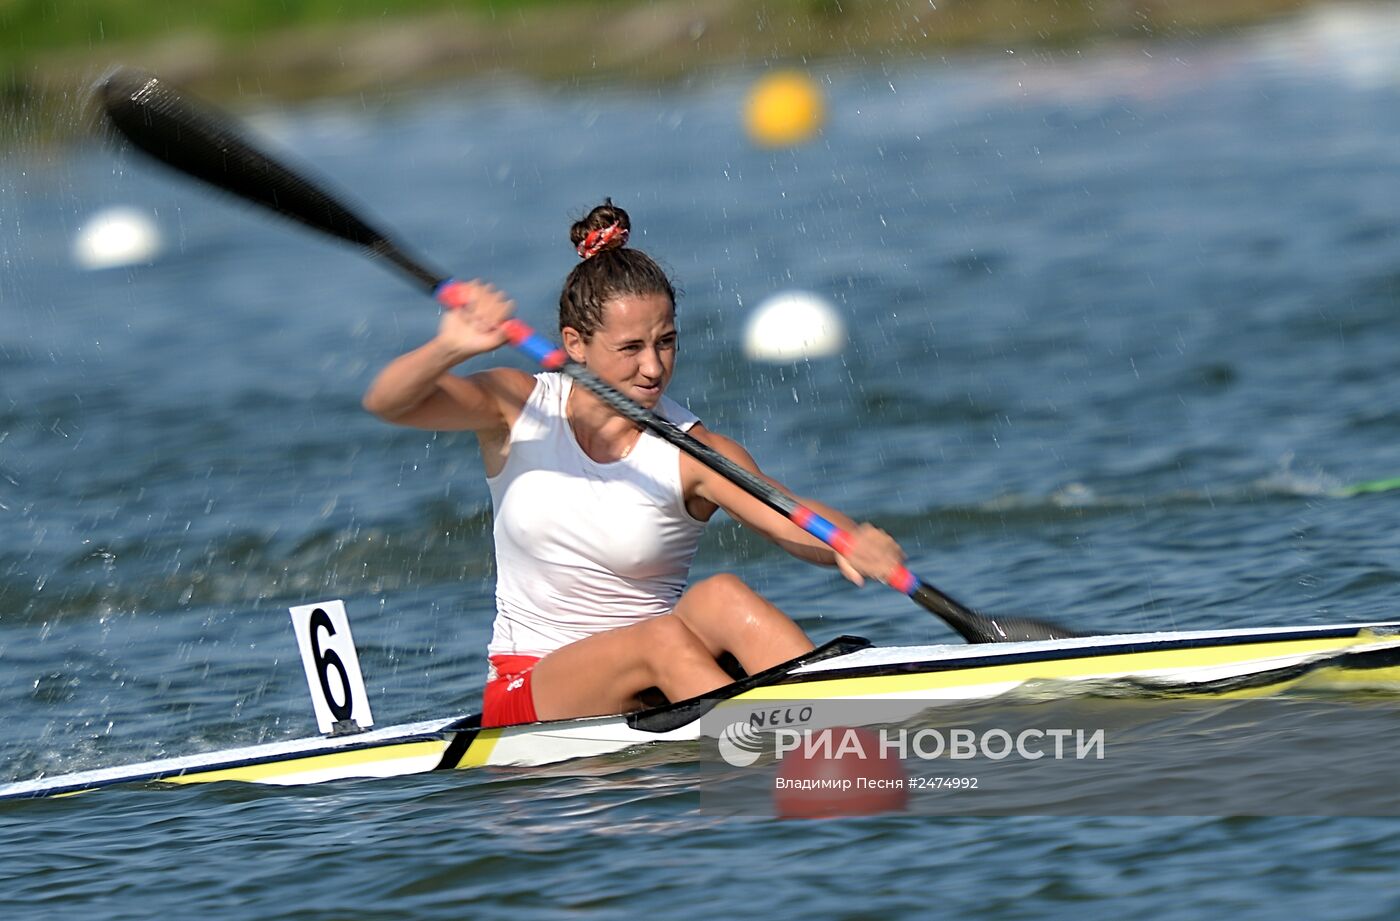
417, 390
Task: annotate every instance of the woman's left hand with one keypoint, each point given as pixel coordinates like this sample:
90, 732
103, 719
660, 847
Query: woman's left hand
873, 554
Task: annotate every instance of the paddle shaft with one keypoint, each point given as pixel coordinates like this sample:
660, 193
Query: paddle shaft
206, 145
971, 626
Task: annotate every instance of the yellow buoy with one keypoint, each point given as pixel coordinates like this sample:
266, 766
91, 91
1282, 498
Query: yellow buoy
784, 108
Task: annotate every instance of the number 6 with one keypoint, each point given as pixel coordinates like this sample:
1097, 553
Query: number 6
327, 660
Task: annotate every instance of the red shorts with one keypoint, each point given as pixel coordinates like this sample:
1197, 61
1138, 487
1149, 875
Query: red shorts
507, 699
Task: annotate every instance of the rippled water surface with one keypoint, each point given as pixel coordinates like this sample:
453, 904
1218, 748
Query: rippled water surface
1124, 326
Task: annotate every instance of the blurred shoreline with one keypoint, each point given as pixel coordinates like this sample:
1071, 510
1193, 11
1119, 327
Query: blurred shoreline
567, 43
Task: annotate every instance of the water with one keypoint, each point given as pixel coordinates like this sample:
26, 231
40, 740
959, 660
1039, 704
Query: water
1123, 323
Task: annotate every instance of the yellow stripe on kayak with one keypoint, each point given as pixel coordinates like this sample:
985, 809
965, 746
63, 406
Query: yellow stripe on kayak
1077, 667
1327, 678
271, 772
479, 752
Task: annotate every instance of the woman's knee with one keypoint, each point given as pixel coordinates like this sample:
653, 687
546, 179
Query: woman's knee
723, 587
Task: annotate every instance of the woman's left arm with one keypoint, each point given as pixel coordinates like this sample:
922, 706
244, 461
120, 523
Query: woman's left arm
874, 553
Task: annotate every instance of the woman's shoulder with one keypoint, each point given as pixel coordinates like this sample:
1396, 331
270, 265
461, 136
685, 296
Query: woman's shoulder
677, 414
511, 384
721, 443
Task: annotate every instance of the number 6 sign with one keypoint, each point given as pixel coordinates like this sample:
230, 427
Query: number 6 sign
332, 667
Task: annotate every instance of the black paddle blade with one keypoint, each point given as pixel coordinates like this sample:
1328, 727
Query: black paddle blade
985, 628
196, 140
998, 629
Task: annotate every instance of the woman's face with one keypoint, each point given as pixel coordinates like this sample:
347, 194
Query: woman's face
635, 348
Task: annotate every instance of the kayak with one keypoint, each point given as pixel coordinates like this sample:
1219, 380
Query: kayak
1209, 663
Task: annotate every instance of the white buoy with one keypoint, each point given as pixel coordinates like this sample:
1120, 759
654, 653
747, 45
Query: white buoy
115, 238
794, 325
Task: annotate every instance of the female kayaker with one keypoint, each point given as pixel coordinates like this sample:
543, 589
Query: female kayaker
597, 520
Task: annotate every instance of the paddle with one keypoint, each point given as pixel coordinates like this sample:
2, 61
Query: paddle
206, 145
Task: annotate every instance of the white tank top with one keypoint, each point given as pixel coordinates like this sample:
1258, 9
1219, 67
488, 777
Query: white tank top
583, 547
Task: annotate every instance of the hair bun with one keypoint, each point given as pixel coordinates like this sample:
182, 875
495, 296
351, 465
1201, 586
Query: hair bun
605, 228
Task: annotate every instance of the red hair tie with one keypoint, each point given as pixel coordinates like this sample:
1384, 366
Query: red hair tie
596, 240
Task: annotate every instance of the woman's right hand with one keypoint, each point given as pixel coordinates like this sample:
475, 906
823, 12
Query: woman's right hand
471, 324
872, 553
